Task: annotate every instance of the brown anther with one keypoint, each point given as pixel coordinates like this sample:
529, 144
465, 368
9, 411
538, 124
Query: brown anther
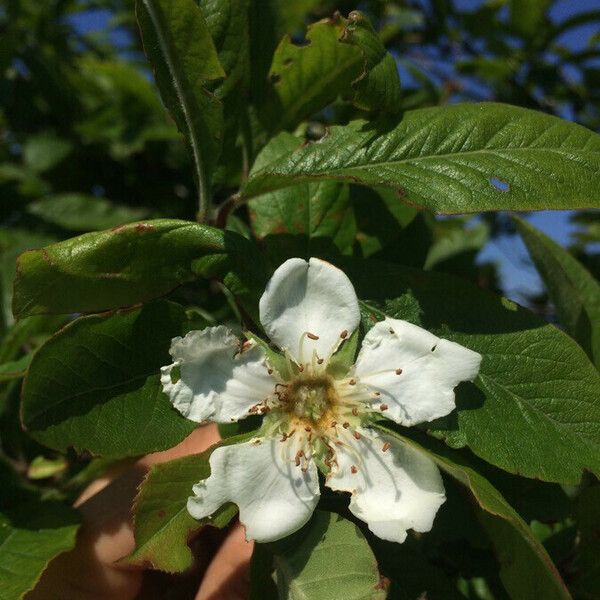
398, 371
386, 446
338, 443
345, 425
344, 334
311, 336
308, 429
355, 411
377, 393
352, 382
383, 407
333, 423
356, 435
299, 455
270, 371
320, 361
354, 469
284, 437
300, 368
291, 433
265, 409
392, 331
246, 344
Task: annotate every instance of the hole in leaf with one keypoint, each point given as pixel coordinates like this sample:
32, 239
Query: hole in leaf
501, 186
175, 374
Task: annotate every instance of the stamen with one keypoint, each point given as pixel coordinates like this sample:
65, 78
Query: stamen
383, 407
311, 336
386, 447
398, 371
320, 361
344, 334
356, 435
353, 469
352, 382
355, 411
345, 425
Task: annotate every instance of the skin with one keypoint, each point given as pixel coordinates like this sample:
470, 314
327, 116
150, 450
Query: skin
91, 572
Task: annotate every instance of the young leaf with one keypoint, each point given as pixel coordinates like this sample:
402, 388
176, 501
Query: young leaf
572, 288
454, 159
179, 46
525, 567
162, 525
95, 385
314, 210
534, 409
111, 269
328, 558
305, 79
378, 86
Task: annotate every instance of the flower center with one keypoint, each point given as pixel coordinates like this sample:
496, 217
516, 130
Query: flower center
310, 398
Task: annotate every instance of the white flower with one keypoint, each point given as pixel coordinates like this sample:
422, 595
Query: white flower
313, 421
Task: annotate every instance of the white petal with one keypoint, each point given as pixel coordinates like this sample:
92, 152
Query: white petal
414, 371
392, 491
216, 382
313, 298
274, 496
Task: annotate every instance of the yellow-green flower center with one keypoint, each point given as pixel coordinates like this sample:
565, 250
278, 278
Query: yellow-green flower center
310, 398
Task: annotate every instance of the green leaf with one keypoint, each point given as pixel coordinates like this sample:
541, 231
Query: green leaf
587, 580
314, 210
45, 151
15, 369
78, 212
528, 17
95, 385
32, 533
525, 567
378, 86
572, 288
30, 541
12, 243
534, 409
162, 525
179, 46
227, 22
305, 79
454, 159
110, 269
328, 558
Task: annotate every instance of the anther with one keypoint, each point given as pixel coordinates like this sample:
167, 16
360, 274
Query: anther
344, 334
354, 469
386, 446
377, 393
333, 423
392, 331
311, 336
355, 411
270, 371
299, 455
345, 425
434, 347
308, 429
383, 407
398, 371
320, 361
356, 435
352, 382
300, 368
